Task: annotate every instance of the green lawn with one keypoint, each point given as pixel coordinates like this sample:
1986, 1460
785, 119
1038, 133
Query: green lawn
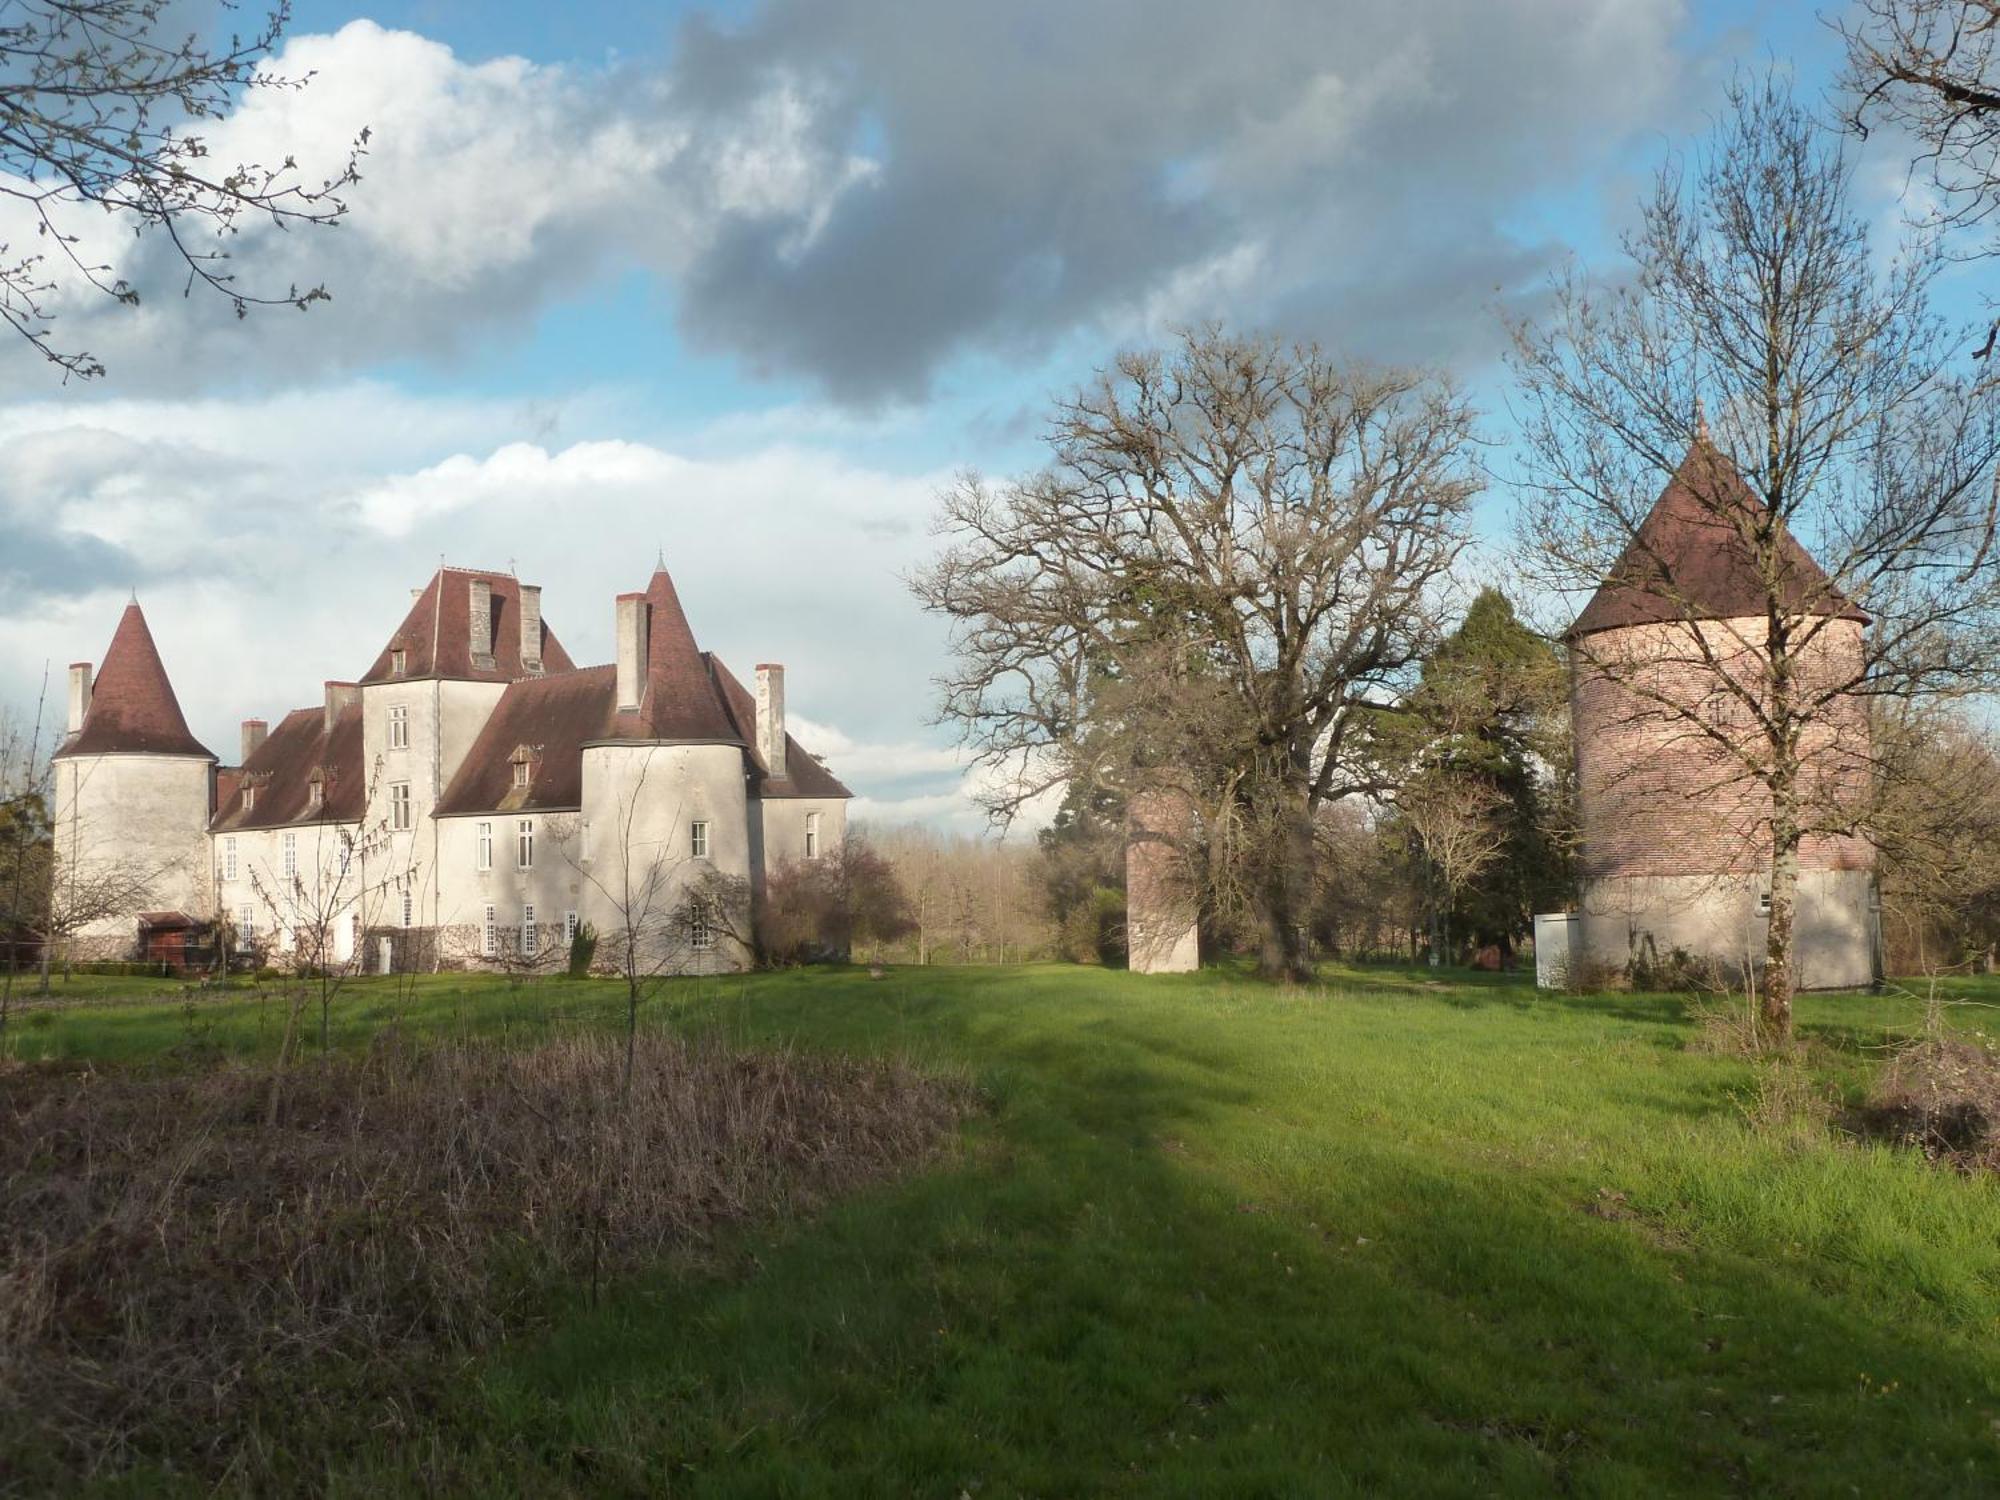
1383, 1236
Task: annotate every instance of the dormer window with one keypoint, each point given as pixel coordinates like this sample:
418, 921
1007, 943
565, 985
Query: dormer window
524, 758
396, 660
316, 790
249, 797
521, 773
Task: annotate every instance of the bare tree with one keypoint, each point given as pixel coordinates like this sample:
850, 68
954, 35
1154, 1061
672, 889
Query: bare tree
1840, 425
1235, 550
1455, 829
658, 916
101, 108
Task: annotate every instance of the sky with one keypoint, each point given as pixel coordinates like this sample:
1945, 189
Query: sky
744, 285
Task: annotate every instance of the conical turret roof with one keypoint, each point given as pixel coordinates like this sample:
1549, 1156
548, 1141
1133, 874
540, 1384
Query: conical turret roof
682, 700
1689, 561
133, 710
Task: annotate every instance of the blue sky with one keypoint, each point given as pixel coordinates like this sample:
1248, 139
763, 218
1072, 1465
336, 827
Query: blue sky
746, 283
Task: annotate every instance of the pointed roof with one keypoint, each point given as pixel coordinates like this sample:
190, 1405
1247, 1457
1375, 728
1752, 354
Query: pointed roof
1688, 561
436, 635
133, 710
681, 700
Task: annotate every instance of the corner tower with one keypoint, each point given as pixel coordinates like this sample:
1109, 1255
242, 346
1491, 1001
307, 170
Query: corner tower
1669, 663
133, 795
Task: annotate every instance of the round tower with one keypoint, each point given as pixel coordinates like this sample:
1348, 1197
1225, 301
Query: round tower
132, 800
1668, 665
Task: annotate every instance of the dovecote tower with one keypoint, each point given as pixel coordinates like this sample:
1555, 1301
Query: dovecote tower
1667, 664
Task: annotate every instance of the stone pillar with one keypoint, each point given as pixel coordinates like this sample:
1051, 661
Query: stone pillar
1162, 903
632, 624
531, 626
79, 694
771, 717
479, 622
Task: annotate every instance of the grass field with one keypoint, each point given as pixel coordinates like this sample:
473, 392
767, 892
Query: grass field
1378, 1236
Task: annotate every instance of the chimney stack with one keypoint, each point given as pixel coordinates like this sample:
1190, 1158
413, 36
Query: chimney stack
340, 695
79, 694
481, 624
632, 647
254, 732
531, 626
771, 718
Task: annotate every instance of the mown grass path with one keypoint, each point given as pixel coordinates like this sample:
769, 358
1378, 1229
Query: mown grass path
1381, 1236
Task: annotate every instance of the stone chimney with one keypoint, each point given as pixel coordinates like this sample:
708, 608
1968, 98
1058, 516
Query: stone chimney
480, 624
340, 695
79, 694
632, 643
531, 626
254, 733
771, 718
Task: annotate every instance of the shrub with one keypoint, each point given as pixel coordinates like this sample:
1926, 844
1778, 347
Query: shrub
1941, 1095
582, 949
1679, 973
1093, 931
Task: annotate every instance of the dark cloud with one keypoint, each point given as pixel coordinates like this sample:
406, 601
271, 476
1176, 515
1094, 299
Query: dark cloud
1346, 170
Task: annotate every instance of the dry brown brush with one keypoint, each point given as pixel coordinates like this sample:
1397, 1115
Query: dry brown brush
169, 1261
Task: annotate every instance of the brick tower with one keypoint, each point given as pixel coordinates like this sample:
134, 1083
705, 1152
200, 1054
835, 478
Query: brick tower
1676, 844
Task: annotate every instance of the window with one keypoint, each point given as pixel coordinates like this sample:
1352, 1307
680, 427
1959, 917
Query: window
315, 791
229, 859
524, 844
399, 726
485, 846
399, 804
409, 908
529, 943
812, 835
569, 928
489, 942
700, 933
521, 772
1763, 903
396, 661
249, 798
698, 840
246, 924
291, 856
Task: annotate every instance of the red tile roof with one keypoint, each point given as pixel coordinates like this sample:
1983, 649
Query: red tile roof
681, 701
281, 772
805, 775
689, 698
557, 715
1689, 561
133, 709
435, 636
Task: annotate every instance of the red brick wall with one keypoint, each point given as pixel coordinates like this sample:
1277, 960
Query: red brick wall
1661, 794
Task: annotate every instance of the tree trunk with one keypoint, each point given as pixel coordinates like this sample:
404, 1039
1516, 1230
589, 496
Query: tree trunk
1285, 893
1780, 957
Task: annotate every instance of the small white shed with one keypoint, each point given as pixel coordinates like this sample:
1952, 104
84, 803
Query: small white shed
1557, 935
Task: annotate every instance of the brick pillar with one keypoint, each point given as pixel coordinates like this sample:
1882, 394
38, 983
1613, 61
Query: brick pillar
1162, 905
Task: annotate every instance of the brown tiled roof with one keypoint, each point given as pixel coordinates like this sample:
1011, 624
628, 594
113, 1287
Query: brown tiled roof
1689, 562
690, 698
167, 921
133, 709
681, 701
435, 636
805, 775
559, 715
281, 772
